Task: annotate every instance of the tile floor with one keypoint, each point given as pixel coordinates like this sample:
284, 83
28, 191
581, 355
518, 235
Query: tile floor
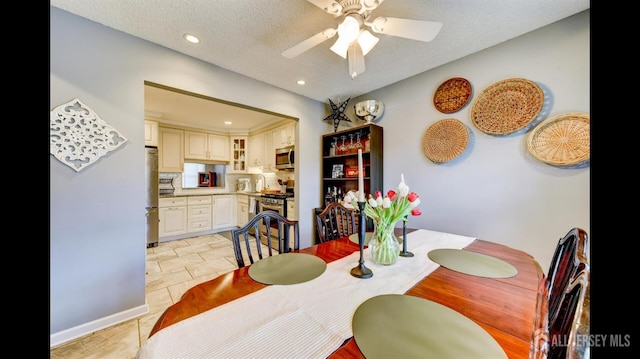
172, 268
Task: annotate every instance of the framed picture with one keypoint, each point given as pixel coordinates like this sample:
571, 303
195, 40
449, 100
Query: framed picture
337, 171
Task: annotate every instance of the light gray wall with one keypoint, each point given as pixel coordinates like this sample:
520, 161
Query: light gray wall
97, 222
497, 192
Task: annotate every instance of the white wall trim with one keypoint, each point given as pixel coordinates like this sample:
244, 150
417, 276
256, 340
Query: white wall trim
62, 337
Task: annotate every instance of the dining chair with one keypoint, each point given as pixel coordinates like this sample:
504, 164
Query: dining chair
335, 221
267, 225
562, 311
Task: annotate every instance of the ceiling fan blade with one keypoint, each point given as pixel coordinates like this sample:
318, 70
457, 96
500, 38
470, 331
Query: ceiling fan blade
309, 43
356, 60
410, 29
330, 6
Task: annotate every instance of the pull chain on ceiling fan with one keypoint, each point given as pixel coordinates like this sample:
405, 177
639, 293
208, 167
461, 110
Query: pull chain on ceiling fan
353, 41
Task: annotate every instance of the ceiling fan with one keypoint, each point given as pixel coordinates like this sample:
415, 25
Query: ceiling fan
354, 41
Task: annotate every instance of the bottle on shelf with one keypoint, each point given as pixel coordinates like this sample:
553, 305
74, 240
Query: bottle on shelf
328, 197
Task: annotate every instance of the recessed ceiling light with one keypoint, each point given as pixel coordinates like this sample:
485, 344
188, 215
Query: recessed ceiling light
191, 38
227, 122
301, 82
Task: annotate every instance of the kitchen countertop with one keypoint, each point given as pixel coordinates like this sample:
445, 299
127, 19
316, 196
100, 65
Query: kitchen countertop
255, 194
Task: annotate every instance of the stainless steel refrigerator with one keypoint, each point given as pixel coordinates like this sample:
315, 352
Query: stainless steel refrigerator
151, 208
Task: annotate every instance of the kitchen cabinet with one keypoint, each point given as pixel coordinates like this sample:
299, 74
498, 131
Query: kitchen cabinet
256, 153
224, 211
150, 133
199, 209
170, 148
339, 158
284, 135
269, 159
291, 214
239, 153
206, 146
173, 216
243, 210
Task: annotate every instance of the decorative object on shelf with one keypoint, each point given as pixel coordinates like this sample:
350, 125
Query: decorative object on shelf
452, 95
337, 171
445, 140
369, 110
361, 271
337, 114
79, 137
562, 140
507, 106
386, 212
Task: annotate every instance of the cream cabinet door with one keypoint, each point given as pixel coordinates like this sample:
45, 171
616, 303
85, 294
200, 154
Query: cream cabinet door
256, 153
269, 151
195, 145
173, 221
224, 211
243, 210
170, 148
218, 146
150, 133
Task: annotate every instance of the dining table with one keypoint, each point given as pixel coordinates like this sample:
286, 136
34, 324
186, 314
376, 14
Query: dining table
503, 307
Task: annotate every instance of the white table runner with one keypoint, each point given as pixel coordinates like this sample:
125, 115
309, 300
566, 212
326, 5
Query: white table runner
306, 320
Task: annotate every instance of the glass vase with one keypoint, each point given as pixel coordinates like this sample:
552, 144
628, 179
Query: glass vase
383, 245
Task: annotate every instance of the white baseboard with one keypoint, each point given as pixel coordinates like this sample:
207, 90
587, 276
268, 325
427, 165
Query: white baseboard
67, 335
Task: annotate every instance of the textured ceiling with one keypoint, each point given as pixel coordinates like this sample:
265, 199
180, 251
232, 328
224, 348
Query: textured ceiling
248, 36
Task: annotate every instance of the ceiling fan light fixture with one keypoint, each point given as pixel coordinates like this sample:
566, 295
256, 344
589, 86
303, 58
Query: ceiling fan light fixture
340, 47
367, 41
349, 29
348, 32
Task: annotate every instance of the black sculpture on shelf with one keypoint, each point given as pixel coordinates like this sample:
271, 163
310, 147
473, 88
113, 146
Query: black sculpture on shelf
360, 271
337, 114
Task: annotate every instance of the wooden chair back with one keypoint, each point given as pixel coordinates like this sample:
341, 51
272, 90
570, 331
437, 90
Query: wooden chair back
335, 221
562, 314
247, 239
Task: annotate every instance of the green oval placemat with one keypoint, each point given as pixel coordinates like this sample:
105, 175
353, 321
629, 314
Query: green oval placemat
477, 264
287, 268
403, 326
354, 238
367, 236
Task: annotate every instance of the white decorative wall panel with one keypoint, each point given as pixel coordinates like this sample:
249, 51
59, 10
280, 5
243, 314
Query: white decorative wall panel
79, 137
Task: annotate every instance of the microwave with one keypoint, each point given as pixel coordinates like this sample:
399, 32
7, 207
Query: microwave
285, 158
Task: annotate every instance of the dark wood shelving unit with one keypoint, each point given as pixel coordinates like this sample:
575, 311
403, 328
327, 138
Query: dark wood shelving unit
371, 159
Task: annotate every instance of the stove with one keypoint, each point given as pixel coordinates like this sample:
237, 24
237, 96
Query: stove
278, 195
276, 202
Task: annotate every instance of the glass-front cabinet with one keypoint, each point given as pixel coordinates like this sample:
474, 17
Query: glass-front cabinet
239, 155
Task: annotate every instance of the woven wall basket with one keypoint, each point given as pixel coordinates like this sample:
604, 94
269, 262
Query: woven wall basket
563, 140
452, 95
445, 140
507, 106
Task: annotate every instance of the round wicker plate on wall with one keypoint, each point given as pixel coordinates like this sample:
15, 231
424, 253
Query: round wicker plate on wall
507, 106
445, 140
562, 140
452, 95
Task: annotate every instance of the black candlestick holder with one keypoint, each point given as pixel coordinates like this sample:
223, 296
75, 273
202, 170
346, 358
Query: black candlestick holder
404, 252
360, 271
